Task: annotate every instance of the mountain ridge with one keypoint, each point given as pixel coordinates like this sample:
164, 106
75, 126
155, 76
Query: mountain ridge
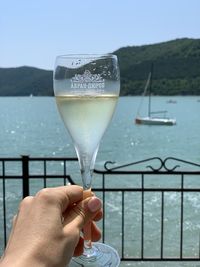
176, 67
176, 71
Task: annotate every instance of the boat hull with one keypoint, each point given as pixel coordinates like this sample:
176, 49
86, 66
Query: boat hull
155, 121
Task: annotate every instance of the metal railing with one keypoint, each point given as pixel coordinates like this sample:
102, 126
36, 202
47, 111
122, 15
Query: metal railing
150, 213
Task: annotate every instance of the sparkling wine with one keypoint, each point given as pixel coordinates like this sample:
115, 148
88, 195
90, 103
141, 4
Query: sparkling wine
86, 118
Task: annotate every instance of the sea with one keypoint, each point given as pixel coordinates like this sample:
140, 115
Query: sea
32, 126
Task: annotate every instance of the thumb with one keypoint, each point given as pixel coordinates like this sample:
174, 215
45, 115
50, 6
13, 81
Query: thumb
83, 212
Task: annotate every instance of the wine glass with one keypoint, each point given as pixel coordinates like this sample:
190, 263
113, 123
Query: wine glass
86, 88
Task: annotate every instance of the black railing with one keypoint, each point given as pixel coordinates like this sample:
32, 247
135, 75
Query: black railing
151, 207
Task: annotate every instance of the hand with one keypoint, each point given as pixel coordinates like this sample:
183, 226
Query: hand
46, 230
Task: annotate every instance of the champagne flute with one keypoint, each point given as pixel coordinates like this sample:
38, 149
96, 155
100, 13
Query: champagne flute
86, 88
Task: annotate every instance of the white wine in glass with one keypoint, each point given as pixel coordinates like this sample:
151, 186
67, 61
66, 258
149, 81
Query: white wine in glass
86, 88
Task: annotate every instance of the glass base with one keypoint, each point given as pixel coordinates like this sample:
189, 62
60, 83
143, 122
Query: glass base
101, 255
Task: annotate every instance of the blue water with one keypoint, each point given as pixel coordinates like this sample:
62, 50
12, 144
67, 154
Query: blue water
32, 126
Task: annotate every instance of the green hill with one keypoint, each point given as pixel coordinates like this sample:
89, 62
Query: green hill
176, 67
176, 71
25, 81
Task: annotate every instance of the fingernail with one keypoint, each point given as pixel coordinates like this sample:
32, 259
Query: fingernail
94, 204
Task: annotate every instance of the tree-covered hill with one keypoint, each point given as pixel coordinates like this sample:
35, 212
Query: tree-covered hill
176, 71
176, 67
25, 81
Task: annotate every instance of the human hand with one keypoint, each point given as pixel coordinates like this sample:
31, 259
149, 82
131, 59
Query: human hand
46, 230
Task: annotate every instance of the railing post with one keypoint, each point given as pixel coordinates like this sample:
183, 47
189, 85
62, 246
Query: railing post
25, 175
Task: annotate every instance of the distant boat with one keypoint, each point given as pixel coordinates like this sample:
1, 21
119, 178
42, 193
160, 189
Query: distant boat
171, 101
152, 118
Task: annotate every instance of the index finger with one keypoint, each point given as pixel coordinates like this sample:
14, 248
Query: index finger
62, 195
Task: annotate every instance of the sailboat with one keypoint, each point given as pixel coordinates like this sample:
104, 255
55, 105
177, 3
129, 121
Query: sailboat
152, 118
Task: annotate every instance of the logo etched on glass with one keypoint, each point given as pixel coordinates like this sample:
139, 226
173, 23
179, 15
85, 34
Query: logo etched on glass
87, 80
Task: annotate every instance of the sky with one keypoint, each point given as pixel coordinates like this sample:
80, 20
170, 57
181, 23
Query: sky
34, 32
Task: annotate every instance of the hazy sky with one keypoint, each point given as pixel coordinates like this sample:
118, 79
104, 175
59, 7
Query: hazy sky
33, 32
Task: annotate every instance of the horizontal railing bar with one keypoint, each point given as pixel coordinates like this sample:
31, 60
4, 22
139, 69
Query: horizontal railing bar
147, 172
50, 175
148, 189
161, 259
33, 176
40, 159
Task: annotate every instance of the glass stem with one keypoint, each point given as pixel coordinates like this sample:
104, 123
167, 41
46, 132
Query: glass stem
87, 236
87, 178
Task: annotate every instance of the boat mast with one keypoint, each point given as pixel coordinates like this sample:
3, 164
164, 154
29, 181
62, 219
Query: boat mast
149, 106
